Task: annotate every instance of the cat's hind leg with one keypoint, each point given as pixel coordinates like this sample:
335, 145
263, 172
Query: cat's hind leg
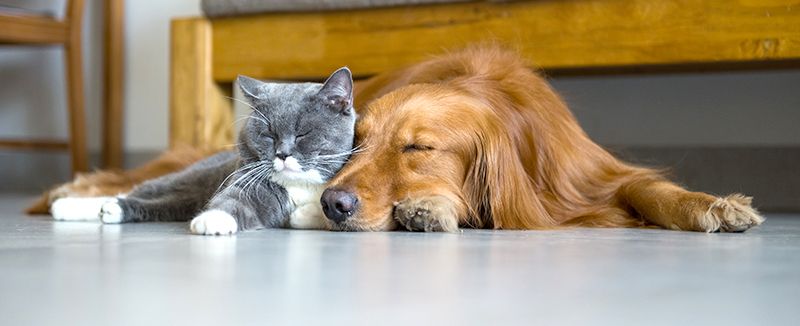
77, 209
110, 211
169, 208
175, 197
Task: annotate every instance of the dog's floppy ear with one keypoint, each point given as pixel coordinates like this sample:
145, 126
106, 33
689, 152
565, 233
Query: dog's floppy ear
498, 188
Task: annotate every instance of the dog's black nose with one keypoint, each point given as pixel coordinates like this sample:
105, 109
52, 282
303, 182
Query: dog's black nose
338, 204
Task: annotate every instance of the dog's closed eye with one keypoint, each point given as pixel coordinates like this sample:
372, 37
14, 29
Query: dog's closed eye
416, 148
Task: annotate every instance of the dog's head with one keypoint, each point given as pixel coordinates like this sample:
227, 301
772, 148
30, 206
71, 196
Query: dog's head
440, 148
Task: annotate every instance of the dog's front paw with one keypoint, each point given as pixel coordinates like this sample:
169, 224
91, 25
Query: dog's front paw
213, 222
111, 212
731, 214
427, 213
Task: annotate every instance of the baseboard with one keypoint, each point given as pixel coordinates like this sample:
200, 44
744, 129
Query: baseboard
769, 174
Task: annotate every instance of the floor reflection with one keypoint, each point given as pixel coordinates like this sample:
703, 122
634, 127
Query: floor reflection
213, 256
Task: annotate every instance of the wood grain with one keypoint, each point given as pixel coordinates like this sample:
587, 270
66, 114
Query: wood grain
113, 62
218, 123
75, 96
199, 113
32, 144
550, 33
17, 28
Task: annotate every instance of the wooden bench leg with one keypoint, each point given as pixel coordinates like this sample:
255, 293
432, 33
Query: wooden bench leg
200, 114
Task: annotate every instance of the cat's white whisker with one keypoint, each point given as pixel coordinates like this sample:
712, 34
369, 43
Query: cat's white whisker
333, 155
240, 101
331, 164
262, 178
361, 147
232, 145
248, 104
237, 121
255, 178
355, 150
239, 170
336, 155
265, 122
340, 159
244, 189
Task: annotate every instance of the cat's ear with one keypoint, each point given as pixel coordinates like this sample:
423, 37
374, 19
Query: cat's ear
250, 87
338, 90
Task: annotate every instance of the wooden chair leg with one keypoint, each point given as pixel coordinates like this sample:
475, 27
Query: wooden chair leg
200, 115
112, 157
77, 138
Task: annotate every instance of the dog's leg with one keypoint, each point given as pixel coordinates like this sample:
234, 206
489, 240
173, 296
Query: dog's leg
670, 206
427, 213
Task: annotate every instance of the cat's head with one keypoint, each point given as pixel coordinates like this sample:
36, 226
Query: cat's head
305, 130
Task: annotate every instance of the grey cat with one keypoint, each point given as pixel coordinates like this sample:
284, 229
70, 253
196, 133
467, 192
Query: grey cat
297, 138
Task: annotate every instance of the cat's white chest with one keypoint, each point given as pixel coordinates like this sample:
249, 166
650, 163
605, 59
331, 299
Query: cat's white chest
307, 213
304, 194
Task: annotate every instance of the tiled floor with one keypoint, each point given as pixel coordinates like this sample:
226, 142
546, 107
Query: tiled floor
82, 273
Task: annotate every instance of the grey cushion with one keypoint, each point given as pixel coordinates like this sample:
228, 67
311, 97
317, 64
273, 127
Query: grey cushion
216, 8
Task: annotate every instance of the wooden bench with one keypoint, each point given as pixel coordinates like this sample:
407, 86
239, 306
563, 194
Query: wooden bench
568, 36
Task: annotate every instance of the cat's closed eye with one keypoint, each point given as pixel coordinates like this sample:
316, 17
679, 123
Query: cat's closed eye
300, 135
266, 138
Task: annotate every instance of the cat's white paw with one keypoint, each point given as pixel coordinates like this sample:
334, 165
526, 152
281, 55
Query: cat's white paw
214, 222
77, 209
308, 216
110, 212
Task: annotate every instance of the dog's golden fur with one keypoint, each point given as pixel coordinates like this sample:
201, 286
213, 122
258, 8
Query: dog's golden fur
476, 139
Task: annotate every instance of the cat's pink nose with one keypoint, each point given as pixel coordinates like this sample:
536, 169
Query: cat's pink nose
338, 204
282, 155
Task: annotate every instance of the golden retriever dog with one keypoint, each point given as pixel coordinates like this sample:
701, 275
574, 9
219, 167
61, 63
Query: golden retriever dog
477, 139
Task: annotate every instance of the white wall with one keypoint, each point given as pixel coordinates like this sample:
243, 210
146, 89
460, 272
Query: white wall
147, 69
748, 108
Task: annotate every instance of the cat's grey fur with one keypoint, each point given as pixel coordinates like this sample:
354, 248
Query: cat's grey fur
309, 122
